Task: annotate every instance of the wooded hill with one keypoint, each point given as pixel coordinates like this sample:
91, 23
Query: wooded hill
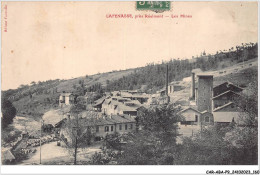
39, 97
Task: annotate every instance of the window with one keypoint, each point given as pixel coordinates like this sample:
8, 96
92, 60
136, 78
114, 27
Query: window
126, 127
196, 118
206, 119
106, 129
131, 126
112, 128
97, 128
120, 127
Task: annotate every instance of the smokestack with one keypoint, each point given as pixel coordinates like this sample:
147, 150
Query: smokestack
192, 86
166, 91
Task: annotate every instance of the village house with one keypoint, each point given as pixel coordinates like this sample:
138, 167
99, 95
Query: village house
224, 98
173, 87
194, 117
66, 99
117, 105
228, 107
225, 93
225, 118
97, 106
224, 87
99, 125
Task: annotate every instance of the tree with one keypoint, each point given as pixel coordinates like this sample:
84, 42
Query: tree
244, 137
78, 134
155, 143
208, 147
8, 111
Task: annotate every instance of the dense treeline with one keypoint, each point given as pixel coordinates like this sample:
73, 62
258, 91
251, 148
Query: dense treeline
153, 75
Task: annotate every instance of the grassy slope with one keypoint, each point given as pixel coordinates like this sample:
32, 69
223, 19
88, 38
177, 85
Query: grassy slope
91, 80
242, 78
43, 102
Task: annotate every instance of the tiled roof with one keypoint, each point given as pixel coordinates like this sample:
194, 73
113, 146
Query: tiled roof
228, 84
123, 107
107, 101
224, 94
100, 100
119, 119
187, 109
224, 117
130, 118
59, 124
90, 114
97, 121
221, 107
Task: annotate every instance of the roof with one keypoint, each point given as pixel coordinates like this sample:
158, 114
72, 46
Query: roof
99, 101
7, 155
225, 117
90, 114
224, 93
99, 121
66, 94
123, 107
59, 124
130, 118
204, 112
140, 96
204, 75
189, 108
196, 70
107, 101
135, 102
120, 119
221, 107
126, 94
228, 84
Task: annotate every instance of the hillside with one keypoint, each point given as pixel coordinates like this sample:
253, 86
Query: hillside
37, 98
241, 76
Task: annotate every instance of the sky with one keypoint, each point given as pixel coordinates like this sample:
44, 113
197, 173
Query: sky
50, 40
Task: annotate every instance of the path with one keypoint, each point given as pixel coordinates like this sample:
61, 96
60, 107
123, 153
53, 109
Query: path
50, 152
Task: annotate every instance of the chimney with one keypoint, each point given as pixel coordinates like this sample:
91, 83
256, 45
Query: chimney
166, 90
205, 92
192, 95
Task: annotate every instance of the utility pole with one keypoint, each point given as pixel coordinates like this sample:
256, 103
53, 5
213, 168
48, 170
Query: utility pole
201, 129
41, 142
76, 141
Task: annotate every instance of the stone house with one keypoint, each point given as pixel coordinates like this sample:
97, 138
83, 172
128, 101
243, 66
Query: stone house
66, 99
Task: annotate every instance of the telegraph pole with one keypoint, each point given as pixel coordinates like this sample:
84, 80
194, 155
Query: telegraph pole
41, 142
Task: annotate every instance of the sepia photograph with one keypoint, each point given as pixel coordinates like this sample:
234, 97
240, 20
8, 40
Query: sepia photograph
129, 83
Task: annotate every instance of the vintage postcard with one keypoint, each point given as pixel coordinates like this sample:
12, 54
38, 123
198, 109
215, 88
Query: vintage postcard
130, 83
